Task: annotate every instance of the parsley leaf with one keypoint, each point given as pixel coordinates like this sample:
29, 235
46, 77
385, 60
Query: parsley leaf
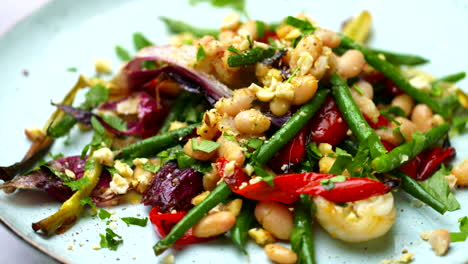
200, 53
463, 234
204, 145
72, 69
178, 27
96, 95
342, 160
103, 214
438, 187
110, 240
232, 49
303, 25
151, 167
135, 221
260, 29
122, 53
329, 184
99, 138
266, 177
115, 122
140, 41
394, 110
292, 75
78, 184
250, 57
254, 143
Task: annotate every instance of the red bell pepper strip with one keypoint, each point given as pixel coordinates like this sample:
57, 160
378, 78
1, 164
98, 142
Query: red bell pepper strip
432, 158
373, 77
163, 222
328, 124
288, 187
293, 152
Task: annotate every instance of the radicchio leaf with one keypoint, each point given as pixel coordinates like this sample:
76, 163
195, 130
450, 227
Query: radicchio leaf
173, 188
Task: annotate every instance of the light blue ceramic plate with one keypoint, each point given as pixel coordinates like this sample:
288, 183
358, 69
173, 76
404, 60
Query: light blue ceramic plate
70, 33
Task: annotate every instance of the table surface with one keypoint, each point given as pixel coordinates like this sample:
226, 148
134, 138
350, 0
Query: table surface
12, 11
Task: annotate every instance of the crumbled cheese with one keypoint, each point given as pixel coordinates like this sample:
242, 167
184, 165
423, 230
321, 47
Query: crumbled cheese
404, 158
70, 247
129, 106
245, 44
169, 259
405, 258
119, 185
284, 167
249, 169
425, 235
177, 125
255, 180
34, 133
261, 236
305, 62
451, 180
113, 225
81, 244
95, 247
293, 34
102, 66
140, 161
111, 212
114, 218
105, 156
141, 179
229, 168
70, 173
265, 95
123, 169
419, 82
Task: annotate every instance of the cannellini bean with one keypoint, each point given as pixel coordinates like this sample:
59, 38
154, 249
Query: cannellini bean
388, 135
439, 240
422, 117
407, 128
210, 179
461, 172
311, 44
241, 100
405, 102
231, 150
214, 224
252, 121
329, 38
305, 89
197, 154
366, 106
366, 88
279, 106
357, 221
279, 254
351, 63
275, 218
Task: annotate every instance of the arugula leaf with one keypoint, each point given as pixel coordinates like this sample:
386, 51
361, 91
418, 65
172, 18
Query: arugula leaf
200, 53
250, 56
151, 167
135, 221
204, 145
96, 95
254, 143
122, 53
110, 240
115, 122
140, 41
260, 29
178, 27
78, 184
438, 187
329, 184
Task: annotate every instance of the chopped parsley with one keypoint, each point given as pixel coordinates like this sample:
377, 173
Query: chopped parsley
293, 74
140, 41
438, 187
96, 95
200, 53
110, 240
204, 145
151, 167
394, 110
122, 53
229, 137
103, 214
78, 184
135, 221
115, 122
330, 183
254, 143
342, 160
250, 57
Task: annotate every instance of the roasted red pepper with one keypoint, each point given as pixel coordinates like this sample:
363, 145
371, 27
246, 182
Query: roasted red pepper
293, 152
391, 89
328, 124
288, 187
267, 35
164, 222
373, 77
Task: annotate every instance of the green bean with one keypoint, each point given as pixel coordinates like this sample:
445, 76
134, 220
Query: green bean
155, 144
452, 78
176, 110
398, 59
301, 236
353, 115
290, 129
243, 223
265, 153
395, 76
412, 187
218, 195
361, 129
407, 151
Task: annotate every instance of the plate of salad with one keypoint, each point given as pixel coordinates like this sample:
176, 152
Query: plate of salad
154, 132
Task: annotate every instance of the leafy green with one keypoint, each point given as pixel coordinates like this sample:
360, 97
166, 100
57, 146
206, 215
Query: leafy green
260, 29
122, 53
459, 123
229, 137
330, 183
140, 41
438, 187
96, 95
78, 184
463, 234
342, 160
304, 25
115, 122
204, 145
103, 214
151, 167
250, 56
178, 26
254, 143
200, 53
72, 69
293, 74
267, 177
135, 221
110, 240
183, 160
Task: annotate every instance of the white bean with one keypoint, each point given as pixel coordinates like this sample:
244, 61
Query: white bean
252, 121
351, 63
214, 224
279, 254
275, 218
